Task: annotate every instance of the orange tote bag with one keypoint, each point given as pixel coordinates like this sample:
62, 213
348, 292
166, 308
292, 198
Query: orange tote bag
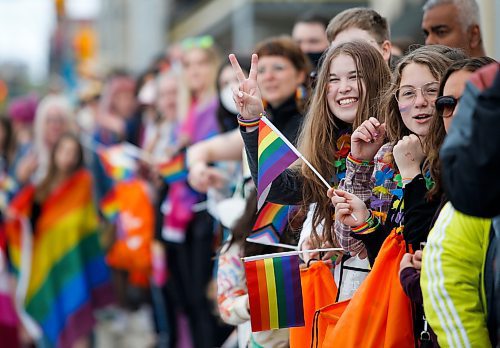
379, 313
318, 290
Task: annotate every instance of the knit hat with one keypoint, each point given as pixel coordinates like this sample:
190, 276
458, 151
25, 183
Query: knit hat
22, 109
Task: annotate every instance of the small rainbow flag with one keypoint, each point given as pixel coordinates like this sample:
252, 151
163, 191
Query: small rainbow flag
118, 162
274, 292
110, 206
175, 169
275, 154
271, 222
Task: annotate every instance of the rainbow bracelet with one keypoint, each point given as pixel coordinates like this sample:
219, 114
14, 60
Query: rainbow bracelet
254, 122
353, 160
369, 226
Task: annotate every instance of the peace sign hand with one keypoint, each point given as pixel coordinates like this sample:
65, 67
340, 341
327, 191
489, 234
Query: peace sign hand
247, 96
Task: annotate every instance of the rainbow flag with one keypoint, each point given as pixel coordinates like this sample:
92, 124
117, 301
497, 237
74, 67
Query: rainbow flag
275, 293
175, 169
275, 154
271, 222
110, 206
118, 161
67, 278
8, 187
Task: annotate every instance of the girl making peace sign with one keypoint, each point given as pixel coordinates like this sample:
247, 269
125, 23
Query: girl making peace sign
350, 83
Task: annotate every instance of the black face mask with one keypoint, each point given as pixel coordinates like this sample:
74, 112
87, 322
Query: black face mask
315, 58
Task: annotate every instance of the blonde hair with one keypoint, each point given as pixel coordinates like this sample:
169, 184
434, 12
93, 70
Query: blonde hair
317, 140
42, 112
362, 18
185, 95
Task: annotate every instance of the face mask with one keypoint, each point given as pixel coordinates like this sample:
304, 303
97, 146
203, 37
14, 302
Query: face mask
226, 99
314, 57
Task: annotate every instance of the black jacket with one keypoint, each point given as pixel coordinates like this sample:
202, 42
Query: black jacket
470, 155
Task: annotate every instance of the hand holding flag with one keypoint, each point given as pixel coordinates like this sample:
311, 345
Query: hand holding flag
275, 154
247, 97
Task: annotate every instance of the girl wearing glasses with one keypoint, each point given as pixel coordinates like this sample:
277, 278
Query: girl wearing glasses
415, 105
376, 172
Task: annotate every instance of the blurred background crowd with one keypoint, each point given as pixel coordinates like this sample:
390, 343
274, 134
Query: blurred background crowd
149, 79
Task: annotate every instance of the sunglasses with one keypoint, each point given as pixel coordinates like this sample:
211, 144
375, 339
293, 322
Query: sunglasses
445, 105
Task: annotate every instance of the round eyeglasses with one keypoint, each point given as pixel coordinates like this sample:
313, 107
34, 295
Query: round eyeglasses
407, 95
445, 105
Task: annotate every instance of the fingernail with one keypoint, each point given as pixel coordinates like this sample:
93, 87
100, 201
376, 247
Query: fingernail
240, 94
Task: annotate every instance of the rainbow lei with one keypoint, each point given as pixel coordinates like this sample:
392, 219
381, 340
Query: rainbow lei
382, 177
344, 147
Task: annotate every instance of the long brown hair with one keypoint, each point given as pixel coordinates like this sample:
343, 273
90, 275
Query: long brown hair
7, 147
317, 140
429, 57
434, 140
44, 188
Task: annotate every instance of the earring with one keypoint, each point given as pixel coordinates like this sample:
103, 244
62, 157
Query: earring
300, 93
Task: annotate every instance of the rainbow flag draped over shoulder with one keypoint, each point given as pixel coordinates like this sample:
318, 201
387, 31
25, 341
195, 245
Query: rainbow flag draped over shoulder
275, 293
275, 154
175, 169
67, 277
271, 222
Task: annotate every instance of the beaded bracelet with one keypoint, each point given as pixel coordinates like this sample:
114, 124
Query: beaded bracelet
354, 160
368, 226
254, 122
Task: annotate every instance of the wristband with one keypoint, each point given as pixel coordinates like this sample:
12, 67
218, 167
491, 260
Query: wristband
368, 226
254, 122
354, 160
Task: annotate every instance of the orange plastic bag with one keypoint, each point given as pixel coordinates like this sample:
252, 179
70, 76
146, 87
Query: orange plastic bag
324, 322
379, 313
318, 290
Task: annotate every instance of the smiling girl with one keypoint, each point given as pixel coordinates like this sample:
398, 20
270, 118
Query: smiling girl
350, 82
372, 169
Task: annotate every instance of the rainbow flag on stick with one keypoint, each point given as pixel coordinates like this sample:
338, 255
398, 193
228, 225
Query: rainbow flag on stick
119, 161
275, 154
274, 292
271, 222
175, 169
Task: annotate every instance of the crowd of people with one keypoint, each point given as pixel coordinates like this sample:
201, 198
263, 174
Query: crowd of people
93, 229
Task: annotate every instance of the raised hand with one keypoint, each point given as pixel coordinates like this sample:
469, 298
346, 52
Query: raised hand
408, 154
247, 95
367, 139
346, 204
